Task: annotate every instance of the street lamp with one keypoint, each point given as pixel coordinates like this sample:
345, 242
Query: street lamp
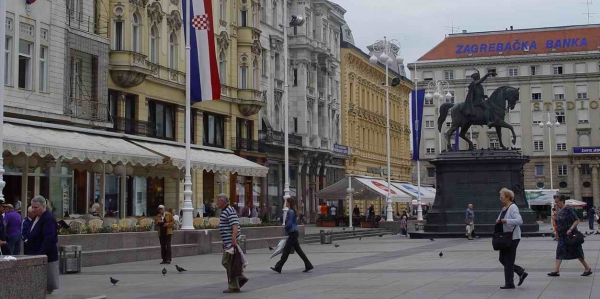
435, 90
295, 22
387, 48
551, 120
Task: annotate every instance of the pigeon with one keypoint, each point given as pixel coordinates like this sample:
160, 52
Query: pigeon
359, 238
380, 236
441, 254
114, 281
543, 235
343, 228
336, 245
431, 239
271, 248
179, 269
164, 271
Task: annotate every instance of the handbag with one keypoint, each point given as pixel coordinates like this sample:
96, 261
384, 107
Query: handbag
576, 238
501, 239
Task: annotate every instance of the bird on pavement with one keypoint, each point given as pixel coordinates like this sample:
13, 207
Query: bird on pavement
430, 239
441, 254
179, 269
114, 281
343, 228
336, 245
270, 248
164, 271
359, 238
380, 236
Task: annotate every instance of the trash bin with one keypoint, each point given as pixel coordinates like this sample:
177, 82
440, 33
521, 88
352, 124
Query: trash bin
326, 236
70, 259
243, 243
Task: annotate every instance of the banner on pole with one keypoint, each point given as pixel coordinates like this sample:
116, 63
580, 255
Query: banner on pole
456, 145
418, 97
204, 72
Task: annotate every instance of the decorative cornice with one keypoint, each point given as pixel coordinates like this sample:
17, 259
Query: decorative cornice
223, 40
174, 21
155, 12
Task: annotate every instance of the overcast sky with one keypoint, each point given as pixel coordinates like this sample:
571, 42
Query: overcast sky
419, 25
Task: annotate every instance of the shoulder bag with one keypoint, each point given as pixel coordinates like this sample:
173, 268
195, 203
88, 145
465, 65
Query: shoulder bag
500, 239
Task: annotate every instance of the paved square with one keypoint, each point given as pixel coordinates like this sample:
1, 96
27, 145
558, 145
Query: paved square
387, 267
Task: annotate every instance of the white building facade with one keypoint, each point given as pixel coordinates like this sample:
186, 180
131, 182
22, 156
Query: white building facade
557, 71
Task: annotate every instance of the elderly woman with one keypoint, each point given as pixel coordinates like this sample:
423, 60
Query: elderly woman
43, 239
510, 220
567, 221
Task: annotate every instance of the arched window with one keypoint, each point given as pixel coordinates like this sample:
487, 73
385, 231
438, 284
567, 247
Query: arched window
136, 32
173, 50
153, 45
255, 74
222, 67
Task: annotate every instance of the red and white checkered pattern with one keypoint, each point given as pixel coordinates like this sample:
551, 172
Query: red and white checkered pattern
200, 22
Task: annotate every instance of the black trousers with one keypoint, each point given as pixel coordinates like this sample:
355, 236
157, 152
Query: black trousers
507, 259
165, 247
292, 242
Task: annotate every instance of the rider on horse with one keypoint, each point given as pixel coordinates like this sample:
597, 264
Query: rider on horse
476, 97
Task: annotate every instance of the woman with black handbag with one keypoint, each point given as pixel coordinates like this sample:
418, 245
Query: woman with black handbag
569, 238
507, 235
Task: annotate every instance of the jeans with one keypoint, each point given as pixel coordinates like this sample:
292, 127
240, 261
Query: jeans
165, 247
591, 222
507, 259
14, 245
292, 242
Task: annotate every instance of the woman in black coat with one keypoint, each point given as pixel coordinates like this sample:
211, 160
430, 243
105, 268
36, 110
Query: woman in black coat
43, 239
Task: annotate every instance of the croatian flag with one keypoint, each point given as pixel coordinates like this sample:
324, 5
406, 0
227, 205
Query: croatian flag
204, 73
30, 1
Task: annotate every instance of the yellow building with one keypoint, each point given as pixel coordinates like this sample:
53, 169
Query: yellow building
147, 98
364, 119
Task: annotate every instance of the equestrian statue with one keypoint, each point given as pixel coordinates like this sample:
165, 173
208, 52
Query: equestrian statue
480, 110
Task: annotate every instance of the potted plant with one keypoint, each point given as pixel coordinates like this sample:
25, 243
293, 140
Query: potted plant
326, 221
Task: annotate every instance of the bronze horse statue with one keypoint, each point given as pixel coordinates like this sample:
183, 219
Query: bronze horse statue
502, 99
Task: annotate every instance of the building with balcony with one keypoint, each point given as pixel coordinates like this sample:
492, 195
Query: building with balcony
364, 118
556, 70
314, 99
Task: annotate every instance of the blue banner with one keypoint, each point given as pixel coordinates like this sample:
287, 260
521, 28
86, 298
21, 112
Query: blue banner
418, 98
456, 136
586, 150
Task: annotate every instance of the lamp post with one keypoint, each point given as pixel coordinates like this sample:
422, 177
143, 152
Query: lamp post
350, 191
550, 120
435, 91
388, 49
296, 21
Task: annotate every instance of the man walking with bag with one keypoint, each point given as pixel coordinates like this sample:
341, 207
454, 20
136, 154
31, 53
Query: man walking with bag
470, 221
232, 261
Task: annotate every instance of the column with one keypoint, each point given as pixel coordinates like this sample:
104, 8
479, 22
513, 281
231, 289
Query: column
123, 207
596, 188
577, 182
299, 193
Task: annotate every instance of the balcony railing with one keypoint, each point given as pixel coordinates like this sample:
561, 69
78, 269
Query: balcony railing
135, 127
88, 109
278, 138
249, 145
78, 20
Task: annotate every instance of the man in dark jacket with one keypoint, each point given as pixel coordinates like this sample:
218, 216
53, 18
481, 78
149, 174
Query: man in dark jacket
43, 238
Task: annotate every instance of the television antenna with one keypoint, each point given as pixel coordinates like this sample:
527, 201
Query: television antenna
588, 3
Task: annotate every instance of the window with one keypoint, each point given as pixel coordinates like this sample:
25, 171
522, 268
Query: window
583, 116
295, 77
559, 92
448, 124
25, 65
430, 172
161, 120
173, 49
494, 143
43, 69
243, 83
561, 143
8, 61
135, 23
277, 113
256, 76
428, 101
243, 18
584, 140
580, 68
44, 35
586, 169
75, 77
513, 71
563, 170
26, 30
582, 92
448, 75
274, 13
154, 45
538, 143
222, 67
430, 146
429, 124
534, 70
427, 75
541, 185
213, 130
264, 64
295, 124
119, 35
557, 69
539, 170
560, 117
223, 10
8, 24
515, 117
536, 117
536, 93
263, 11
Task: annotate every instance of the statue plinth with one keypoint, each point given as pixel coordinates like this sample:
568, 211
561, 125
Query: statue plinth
476, 177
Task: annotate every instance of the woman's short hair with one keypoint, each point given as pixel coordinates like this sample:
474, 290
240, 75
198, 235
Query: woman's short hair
40, 200
508, 193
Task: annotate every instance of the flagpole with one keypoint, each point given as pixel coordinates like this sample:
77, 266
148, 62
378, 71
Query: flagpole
286, 112
188, 209
2, 63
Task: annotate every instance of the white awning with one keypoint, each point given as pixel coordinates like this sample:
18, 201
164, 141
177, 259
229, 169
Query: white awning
427, 194
70, 145
364, 188
207, 160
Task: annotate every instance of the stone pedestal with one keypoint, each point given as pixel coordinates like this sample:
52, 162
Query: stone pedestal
476, 177
24, 277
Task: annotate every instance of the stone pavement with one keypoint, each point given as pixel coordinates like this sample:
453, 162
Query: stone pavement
387, 267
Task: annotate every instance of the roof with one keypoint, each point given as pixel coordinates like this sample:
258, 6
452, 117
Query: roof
348, 45
517, 42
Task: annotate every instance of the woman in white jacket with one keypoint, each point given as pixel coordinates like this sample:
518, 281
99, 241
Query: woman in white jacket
510, 221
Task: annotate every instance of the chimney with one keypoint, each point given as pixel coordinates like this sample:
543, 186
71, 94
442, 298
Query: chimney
511, 28
464, 31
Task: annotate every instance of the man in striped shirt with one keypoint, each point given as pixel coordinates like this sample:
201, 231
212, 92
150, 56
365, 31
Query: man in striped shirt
229, 229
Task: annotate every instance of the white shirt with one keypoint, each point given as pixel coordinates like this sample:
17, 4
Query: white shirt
333, 211
34, 223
